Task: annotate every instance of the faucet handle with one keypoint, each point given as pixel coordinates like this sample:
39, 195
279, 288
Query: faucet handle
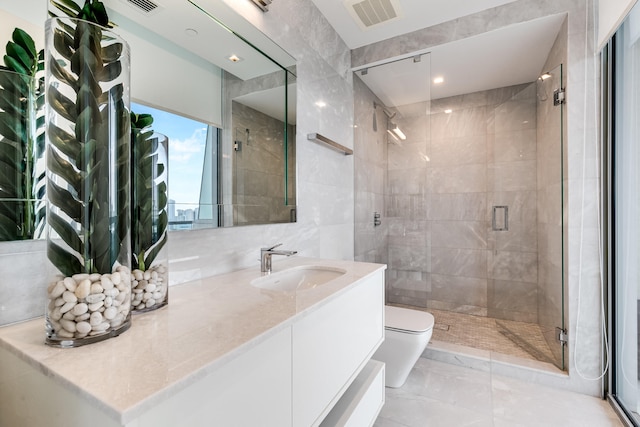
272, 247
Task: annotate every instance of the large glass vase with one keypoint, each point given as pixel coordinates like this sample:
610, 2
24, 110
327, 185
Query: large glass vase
88, 183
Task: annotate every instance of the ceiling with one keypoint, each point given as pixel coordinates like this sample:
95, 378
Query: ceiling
503, 57
412, 15
511, 55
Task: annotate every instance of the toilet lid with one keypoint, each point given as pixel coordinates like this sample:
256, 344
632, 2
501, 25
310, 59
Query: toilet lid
408, 320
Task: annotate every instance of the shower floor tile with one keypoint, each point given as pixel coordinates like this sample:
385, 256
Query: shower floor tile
486, 333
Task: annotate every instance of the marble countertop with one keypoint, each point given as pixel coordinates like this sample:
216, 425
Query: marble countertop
206, 323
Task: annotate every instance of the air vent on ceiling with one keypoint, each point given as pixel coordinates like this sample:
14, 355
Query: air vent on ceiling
144, 6
368, 13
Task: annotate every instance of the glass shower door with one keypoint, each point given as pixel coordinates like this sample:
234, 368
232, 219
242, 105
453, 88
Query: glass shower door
525, 202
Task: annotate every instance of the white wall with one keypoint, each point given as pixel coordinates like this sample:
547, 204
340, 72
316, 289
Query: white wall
9, 21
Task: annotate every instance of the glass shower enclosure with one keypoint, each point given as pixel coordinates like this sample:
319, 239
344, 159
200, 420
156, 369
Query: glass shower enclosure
473, 201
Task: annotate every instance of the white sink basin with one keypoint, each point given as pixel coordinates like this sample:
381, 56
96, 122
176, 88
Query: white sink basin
298, 278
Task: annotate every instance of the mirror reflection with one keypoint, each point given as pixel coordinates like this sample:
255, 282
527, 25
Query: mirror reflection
224, 94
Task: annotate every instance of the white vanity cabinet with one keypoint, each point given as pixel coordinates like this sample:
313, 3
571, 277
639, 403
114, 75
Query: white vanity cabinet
332, 345
222, 353
253, 389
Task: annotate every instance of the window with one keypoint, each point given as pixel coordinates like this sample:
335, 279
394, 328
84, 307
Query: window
192, 187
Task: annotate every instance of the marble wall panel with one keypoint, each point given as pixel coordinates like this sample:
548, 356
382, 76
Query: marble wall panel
459, 123
515, 116
459, 262
461, 102
522, 204
458, 207
460, 290
407, 155
521, 237
458, 178
512, 176
521, 266
413, 258
370, 162
459, 234
458, 150
408, 287
407, 181
23, 287
512, 146
512, 300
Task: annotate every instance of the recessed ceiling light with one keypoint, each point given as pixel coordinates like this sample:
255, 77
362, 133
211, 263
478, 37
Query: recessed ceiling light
448, 111
545, 76
438, 80
191, 32
234, 58
321, 104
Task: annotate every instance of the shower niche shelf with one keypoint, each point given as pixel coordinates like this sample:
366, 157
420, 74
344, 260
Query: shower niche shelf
323, 140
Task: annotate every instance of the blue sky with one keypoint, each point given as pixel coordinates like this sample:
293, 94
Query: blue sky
187, 139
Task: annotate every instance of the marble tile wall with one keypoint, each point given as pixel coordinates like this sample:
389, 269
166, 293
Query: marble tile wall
259, 167
442, 184
370, 158
406, 207
325, 178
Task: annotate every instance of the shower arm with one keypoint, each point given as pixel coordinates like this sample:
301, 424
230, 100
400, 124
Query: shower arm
387, 113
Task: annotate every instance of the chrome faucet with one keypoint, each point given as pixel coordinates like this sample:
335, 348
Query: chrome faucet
265, 257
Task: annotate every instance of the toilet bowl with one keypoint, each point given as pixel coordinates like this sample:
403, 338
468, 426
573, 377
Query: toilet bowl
407, 333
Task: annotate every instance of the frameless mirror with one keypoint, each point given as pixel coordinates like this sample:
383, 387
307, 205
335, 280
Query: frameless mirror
224, 94
228, 95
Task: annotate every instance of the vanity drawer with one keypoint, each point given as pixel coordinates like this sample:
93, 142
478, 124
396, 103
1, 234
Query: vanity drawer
360, 405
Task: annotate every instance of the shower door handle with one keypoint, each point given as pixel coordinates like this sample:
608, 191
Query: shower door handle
500, 218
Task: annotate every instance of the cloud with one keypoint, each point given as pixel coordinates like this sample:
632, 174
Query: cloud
189, 149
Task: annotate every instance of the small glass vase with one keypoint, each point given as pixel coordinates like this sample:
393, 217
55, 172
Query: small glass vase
17, 156
150, 275
88, 183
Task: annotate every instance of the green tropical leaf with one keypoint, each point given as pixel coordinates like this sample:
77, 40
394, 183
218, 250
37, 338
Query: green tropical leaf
67, 263
61, 104
15, 65
66, 232
12, 128
67, 5
100, 13
110, 72
62, 43
112, 52
58, 71
153, 253
23, 39
64, 141
21, 55
8, 221
61, 167
65, 201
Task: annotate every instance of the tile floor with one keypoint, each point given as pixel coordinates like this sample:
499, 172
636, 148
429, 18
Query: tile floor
486, 333
439, 394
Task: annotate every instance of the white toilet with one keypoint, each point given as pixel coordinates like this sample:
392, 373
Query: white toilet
407, 333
